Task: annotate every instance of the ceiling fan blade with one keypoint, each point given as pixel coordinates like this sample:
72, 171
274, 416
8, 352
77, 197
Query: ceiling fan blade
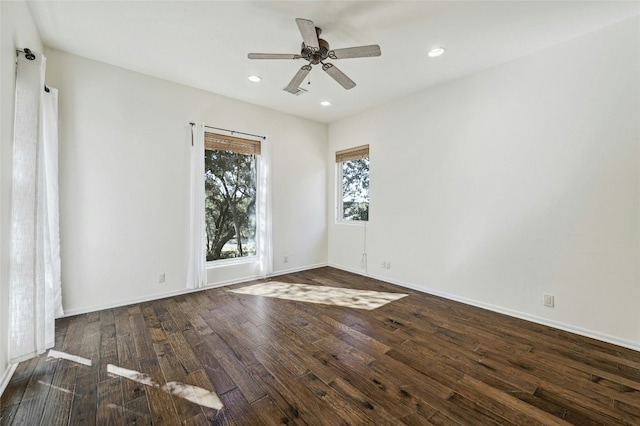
273, 56
356, 52
298, 79
308, 31
338, 76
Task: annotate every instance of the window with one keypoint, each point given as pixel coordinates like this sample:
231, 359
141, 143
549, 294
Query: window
353, 184
230, 174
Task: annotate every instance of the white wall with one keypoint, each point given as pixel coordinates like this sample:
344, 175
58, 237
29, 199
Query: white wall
17, 32
520, 180
124, 152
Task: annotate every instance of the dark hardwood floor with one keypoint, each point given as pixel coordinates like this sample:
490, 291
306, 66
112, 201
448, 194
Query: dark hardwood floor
417, 360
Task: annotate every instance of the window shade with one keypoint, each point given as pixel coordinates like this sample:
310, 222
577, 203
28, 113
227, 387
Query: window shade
231, 143
352, 153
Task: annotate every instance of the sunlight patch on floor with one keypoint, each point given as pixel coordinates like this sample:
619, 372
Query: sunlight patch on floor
194, 394
347, 297
63, 355
58, 388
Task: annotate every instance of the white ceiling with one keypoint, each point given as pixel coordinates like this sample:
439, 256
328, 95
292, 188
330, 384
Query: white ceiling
204, 44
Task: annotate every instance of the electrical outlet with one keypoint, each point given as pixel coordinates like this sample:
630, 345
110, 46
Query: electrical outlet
384, 265
286, 259
547, 300
162, 278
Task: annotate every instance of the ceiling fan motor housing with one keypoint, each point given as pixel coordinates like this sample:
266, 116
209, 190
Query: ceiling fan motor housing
315, 56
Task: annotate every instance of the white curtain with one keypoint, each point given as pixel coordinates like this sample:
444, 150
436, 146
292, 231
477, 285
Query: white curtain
197, 273
264, 210
34, 288
52, 235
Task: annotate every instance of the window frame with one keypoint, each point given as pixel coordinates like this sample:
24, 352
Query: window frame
349, 154
234, 142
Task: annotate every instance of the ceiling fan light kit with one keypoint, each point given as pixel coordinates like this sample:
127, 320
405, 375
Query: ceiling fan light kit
316, 51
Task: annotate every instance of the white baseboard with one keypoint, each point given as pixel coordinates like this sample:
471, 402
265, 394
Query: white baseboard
502, 310
156, 296
151, 297
299, 269
6, 377
357, 272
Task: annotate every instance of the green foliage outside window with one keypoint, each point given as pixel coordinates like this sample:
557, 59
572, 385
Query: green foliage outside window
230, 204
355, 189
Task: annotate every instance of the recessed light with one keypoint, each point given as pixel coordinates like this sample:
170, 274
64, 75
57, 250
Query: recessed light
325, 103
255, 78
434, 53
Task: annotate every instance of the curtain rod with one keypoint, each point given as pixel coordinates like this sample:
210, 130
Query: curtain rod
30, 56
232, 131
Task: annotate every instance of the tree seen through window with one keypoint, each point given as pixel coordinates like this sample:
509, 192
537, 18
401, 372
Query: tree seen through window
230, 204
355, 189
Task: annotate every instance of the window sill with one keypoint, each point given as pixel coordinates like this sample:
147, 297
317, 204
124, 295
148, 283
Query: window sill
213, 264
352, 222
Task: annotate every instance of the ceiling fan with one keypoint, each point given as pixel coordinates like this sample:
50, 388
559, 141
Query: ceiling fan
316, 50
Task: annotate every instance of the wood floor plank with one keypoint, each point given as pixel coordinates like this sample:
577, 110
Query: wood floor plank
184, 354
562, 395
197, 322
121, 316
232, 365
110, 405
14, 391
383, 390
242, 412
161, 404
179, 319
305, 401
509, 408
128, 358
234, 336
136, 412
276, 393
58, 405
336, 345
213, 369
198, 420
350, 413
470, 363
468, 412
7, 414
174, 376
90, 346
199, 378
85, 400
357, 339
108, 353
24, 370
303, 353
107, 317
435, 419
270, 413
73, 337
297, 366
144, 344
368, 401
33, 402
420, 360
